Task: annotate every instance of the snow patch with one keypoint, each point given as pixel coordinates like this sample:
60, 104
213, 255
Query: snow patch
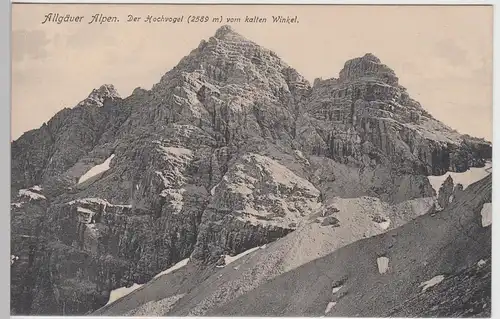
18, 205
330, 306
229, 259
98, 169
486, 218
30, 194
36, 188
466, 178
336, 289
13, 258
481, 263
432, 282
383, 264
121, 292
212, 191
179, 265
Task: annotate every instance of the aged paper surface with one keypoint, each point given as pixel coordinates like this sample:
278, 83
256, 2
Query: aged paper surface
251, 160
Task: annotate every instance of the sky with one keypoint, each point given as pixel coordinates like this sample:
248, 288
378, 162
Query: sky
441, 54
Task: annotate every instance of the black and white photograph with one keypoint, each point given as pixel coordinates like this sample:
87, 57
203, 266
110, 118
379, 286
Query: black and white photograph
173, 160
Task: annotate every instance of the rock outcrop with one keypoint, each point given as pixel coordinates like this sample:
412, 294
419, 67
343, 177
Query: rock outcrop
445, 193
230, 150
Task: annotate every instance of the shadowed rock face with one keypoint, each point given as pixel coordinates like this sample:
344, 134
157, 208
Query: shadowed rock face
445, 192
231, 149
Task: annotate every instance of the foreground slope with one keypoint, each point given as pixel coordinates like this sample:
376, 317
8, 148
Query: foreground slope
450, 250
284, 277
231, 150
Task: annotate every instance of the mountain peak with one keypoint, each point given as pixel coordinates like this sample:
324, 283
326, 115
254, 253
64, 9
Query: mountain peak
227, 33
368, 66
107, 90
370, 57
230, 56
97, 96
225, 30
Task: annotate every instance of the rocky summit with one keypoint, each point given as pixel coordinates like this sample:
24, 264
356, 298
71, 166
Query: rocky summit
233, 157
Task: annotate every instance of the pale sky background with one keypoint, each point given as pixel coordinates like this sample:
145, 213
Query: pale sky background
441, 54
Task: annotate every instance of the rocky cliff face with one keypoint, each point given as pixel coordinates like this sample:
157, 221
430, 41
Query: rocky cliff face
232, 149
365, 117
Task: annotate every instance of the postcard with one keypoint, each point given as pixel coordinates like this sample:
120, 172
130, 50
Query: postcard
251, 160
